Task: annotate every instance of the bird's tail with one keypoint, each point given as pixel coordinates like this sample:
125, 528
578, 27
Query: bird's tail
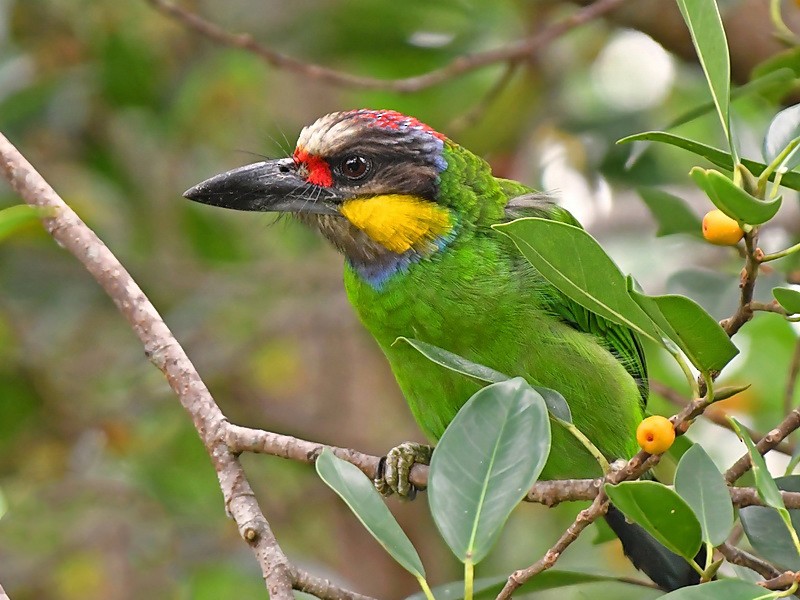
668, 570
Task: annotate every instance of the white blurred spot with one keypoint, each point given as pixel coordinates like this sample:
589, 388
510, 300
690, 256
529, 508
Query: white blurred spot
430, 39
584, 199
633, 72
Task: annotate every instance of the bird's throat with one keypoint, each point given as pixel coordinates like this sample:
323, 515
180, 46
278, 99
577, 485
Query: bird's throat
400, 223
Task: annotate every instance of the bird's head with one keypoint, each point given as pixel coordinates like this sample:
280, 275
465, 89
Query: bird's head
370, 181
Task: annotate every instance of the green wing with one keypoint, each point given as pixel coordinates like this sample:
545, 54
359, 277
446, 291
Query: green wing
623, 343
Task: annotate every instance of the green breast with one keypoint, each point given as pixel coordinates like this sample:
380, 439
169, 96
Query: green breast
480, 300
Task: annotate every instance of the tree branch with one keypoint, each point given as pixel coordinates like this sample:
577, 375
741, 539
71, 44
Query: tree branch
165, 352
716, 415
512, 53
764, 445
739, 557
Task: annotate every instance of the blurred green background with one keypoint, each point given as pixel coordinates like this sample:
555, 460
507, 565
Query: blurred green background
109, 493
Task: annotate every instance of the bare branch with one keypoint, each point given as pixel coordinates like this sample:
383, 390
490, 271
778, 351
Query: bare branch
764, 445
165, 352
716, 415
321, 588
747, 285
581, 522
512, 53
782, 581
737, 556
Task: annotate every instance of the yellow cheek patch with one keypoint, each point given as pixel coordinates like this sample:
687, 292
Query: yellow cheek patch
398, 222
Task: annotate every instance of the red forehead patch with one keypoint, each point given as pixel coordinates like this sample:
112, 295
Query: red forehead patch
391, 119
319, 172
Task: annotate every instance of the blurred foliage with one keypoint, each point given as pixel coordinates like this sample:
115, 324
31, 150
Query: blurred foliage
109, 492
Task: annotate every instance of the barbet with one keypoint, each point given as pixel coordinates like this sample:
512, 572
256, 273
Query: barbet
412, 213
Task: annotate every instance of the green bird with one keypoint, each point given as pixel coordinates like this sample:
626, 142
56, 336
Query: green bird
412, 213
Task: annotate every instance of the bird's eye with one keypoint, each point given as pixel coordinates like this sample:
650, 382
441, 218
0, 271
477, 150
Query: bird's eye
355, 167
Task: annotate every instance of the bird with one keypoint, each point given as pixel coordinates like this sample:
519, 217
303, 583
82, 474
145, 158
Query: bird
412, 212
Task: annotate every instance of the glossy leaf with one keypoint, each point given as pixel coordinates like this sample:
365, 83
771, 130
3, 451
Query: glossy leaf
555, 402
733, 200
571, 260
772, 84
786, 59
725, 589
699, 482
360, 495
484, 464
788, 299
454, 362
694, 331
671, 213
662, 512
705, 25
16, 217
488, 587
784, 128
765, 484
715, 155
767, 531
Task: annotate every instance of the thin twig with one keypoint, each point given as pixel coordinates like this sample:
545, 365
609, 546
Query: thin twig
782, 581
474, 114
322, 588
747, 285
165, 352
585, 518
737, 556
514, 52
764, 445
716, 415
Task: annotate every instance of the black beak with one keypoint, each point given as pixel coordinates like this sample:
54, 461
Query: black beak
269, 186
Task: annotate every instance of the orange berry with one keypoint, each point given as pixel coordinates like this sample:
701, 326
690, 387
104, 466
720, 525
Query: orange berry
720, 229
655, 434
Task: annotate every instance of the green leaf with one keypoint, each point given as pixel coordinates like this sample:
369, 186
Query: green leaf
489, 587
733, 200
360, 495
671, 213
765, 484
571, 260
454, 362
725, 589
705, 25
714, 155
699, 482
773, 85
788, 299
663, 513
770, 84
487, 460
555, 402
695, 332
787, 59
784, 128
767, 532
15, 217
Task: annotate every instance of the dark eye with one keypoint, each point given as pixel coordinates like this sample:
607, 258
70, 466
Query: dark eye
355, 167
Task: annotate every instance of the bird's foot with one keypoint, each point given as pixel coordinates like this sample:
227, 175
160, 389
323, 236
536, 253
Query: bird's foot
395, 468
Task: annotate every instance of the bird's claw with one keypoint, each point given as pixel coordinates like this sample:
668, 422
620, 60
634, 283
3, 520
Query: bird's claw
394, 469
